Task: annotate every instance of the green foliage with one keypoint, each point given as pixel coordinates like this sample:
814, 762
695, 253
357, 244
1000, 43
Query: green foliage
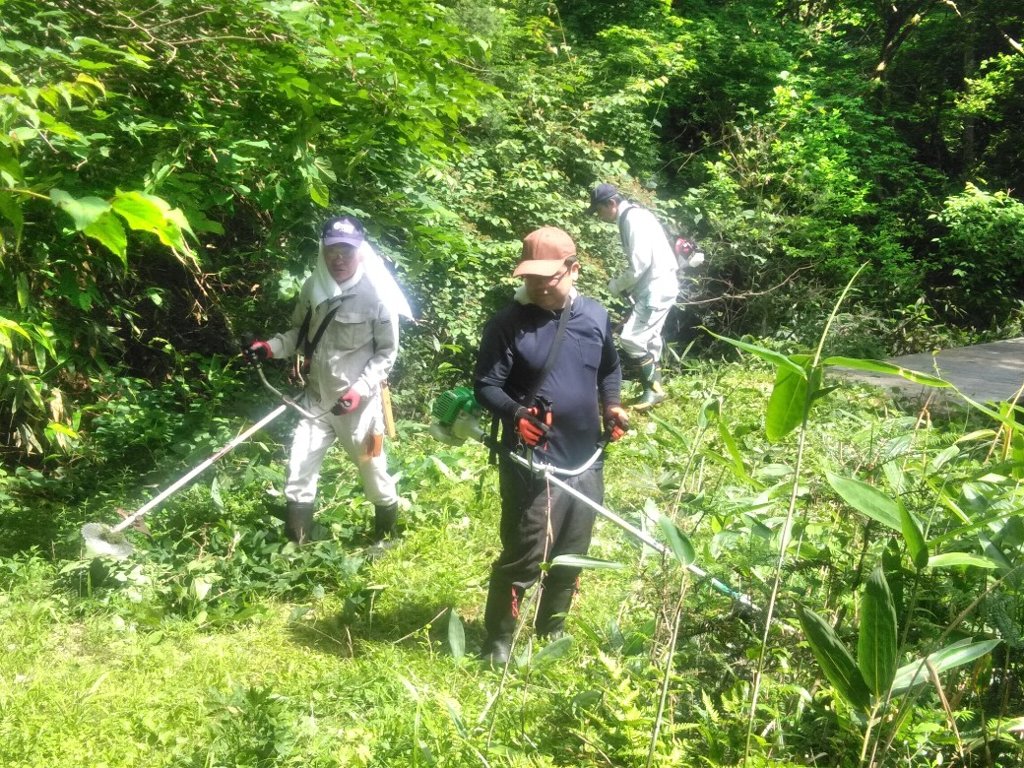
127, 128
979, 250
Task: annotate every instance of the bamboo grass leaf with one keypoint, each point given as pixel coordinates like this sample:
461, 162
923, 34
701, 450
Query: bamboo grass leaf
790, 399
456, 635
775, 358
582, 561
836, 661
677, 541
877, 643
955, 655
916, 545
867, 499
880, 366
955, 559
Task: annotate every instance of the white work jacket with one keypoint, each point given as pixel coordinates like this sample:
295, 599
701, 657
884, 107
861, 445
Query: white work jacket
650, 275
357, 349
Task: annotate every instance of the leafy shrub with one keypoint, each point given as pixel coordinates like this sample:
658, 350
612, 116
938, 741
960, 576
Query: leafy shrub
979, 255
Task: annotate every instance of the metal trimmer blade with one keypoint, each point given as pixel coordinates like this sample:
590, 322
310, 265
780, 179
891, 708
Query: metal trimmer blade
102, 540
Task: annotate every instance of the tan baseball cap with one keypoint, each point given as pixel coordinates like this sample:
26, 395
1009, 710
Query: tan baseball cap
545, 251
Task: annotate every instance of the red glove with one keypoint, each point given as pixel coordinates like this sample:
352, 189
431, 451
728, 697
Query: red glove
531, 429
256, 351
616, 422
347, 403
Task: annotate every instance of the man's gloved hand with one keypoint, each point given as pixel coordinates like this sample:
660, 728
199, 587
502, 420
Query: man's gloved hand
695, 260
255, 351
616, 422
347, 403
531, 428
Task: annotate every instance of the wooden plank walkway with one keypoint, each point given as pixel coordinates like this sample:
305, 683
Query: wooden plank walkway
985, 372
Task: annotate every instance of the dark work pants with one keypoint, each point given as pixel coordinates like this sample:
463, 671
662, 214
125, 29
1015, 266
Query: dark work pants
526, 540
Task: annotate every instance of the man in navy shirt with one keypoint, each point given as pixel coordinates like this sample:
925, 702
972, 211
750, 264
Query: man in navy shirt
558, 410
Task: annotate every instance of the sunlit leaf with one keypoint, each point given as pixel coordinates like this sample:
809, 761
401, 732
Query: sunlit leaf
775, 358
880, 366
957, 559
787, 404
955, 655
867, 499
456, 635
201, 587
549, 653
83, 211
582, 561
916, 546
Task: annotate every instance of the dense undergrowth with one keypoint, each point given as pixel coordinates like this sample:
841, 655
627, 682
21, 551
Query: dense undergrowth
219, 644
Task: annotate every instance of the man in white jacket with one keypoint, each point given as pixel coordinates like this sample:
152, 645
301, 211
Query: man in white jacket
649, 280
347, 340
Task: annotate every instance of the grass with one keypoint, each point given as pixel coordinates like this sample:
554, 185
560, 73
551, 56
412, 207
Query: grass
219, 645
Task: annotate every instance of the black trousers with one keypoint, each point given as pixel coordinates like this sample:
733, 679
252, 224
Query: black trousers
541, 521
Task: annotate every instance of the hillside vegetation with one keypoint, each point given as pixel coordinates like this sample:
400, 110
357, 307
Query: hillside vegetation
852, 170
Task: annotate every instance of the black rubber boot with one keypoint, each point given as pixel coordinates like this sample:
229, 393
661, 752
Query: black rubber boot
555, 602
500, 617
384, 520
650, 379
298, 522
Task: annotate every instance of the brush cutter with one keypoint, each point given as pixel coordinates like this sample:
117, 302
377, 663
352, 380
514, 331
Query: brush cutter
111, 541
457, 418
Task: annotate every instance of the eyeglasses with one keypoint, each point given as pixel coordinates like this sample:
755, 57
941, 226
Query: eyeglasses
556, 278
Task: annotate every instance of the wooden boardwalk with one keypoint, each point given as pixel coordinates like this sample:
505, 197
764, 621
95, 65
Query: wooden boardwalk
985, 372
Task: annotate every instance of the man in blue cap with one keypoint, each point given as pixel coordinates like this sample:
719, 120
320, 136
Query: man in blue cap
346, 337
649, 280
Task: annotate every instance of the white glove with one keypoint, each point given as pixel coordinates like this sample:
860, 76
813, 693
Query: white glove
696, 260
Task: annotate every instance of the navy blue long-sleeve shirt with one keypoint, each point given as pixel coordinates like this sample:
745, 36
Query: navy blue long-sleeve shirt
585, 378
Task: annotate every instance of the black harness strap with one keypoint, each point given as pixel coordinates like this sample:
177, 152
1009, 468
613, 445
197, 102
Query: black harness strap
309, 345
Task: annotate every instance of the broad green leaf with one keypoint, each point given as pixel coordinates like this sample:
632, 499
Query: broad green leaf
775, 358
84, 210
108, 230
582, 561
955, 559
836, 662
787, 404
10, 209
955, 655
23, 292
319, 193
677, 541
877, 644
549, 653
880, 366
10, 325
916, 545
62, 429
867, 499
149, 213
456, 635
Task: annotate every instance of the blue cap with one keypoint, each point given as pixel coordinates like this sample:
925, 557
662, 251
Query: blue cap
602, 193
347, 230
